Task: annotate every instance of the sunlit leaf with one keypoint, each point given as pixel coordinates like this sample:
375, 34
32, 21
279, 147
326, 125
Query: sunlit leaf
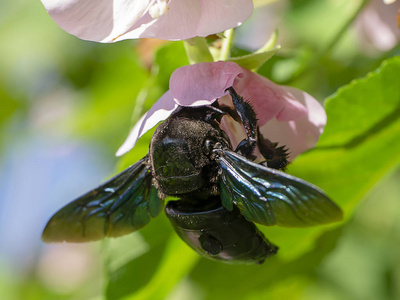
254, 60
365, 114
176, 262
131, 272
361, 141
8, 105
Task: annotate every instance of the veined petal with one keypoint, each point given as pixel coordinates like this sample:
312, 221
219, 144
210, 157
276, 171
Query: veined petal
269, 99
96, 20
286, 115
187, 19
160, 111
293, 109
115, 20
221, 15
301, 134
203, 81
377, 26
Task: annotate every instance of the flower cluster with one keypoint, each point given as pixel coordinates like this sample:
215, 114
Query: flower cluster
286, 115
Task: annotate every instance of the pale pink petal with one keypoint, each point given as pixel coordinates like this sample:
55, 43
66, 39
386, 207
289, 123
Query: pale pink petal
234, 130
115, 20
297, 135
219, 15
207, 82
96, 20
259, 28
178, 23
377, 26
269, 99
301, 134
286, 115
293, 109
203, 81
160, 111
186, 19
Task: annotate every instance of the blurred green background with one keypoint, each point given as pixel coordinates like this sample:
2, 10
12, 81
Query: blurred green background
66, 105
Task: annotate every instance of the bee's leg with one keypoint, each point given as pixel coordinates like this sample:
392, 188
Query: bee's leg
275, 157
249, 120
246, 113
246, 148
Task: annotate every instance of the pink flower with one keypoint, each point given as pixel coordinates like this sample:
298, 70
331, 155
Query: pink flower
377, 26
114, 20
286, 115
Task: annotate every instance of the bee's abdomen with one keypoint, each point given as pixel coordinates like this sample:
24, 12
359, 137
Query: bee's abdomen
216, 233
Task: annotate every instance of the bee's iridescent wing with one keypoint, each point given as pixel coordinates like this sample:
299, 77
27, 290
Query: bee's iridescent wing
120, 206
271, 197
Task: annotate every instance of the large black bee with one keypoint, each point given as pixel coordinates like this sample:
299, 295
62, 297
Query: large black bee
221, 191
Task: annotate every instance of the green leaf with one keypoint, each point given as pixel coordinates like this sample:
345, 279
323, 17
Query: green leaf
361, 140
167, 59
360, 145
8, 105
316, 22
225, 281
254, 60
133, 260
105, 113
177, 261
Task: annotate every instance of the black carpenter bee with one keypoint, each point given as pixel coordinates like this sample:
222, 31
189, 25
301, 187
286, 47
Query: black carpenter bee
221, 191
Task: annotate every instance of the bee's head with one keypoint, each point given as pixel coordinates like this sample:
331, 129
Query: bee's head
177, 155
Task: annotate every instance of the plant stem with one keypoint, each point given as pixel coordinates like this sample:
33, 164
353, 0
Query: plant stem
226, 45
197, 50
328, 48
342, 30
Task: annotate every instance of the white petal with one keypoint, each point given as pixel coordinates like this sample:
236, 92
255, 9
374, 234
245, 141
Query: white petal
189, 18
96, 20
